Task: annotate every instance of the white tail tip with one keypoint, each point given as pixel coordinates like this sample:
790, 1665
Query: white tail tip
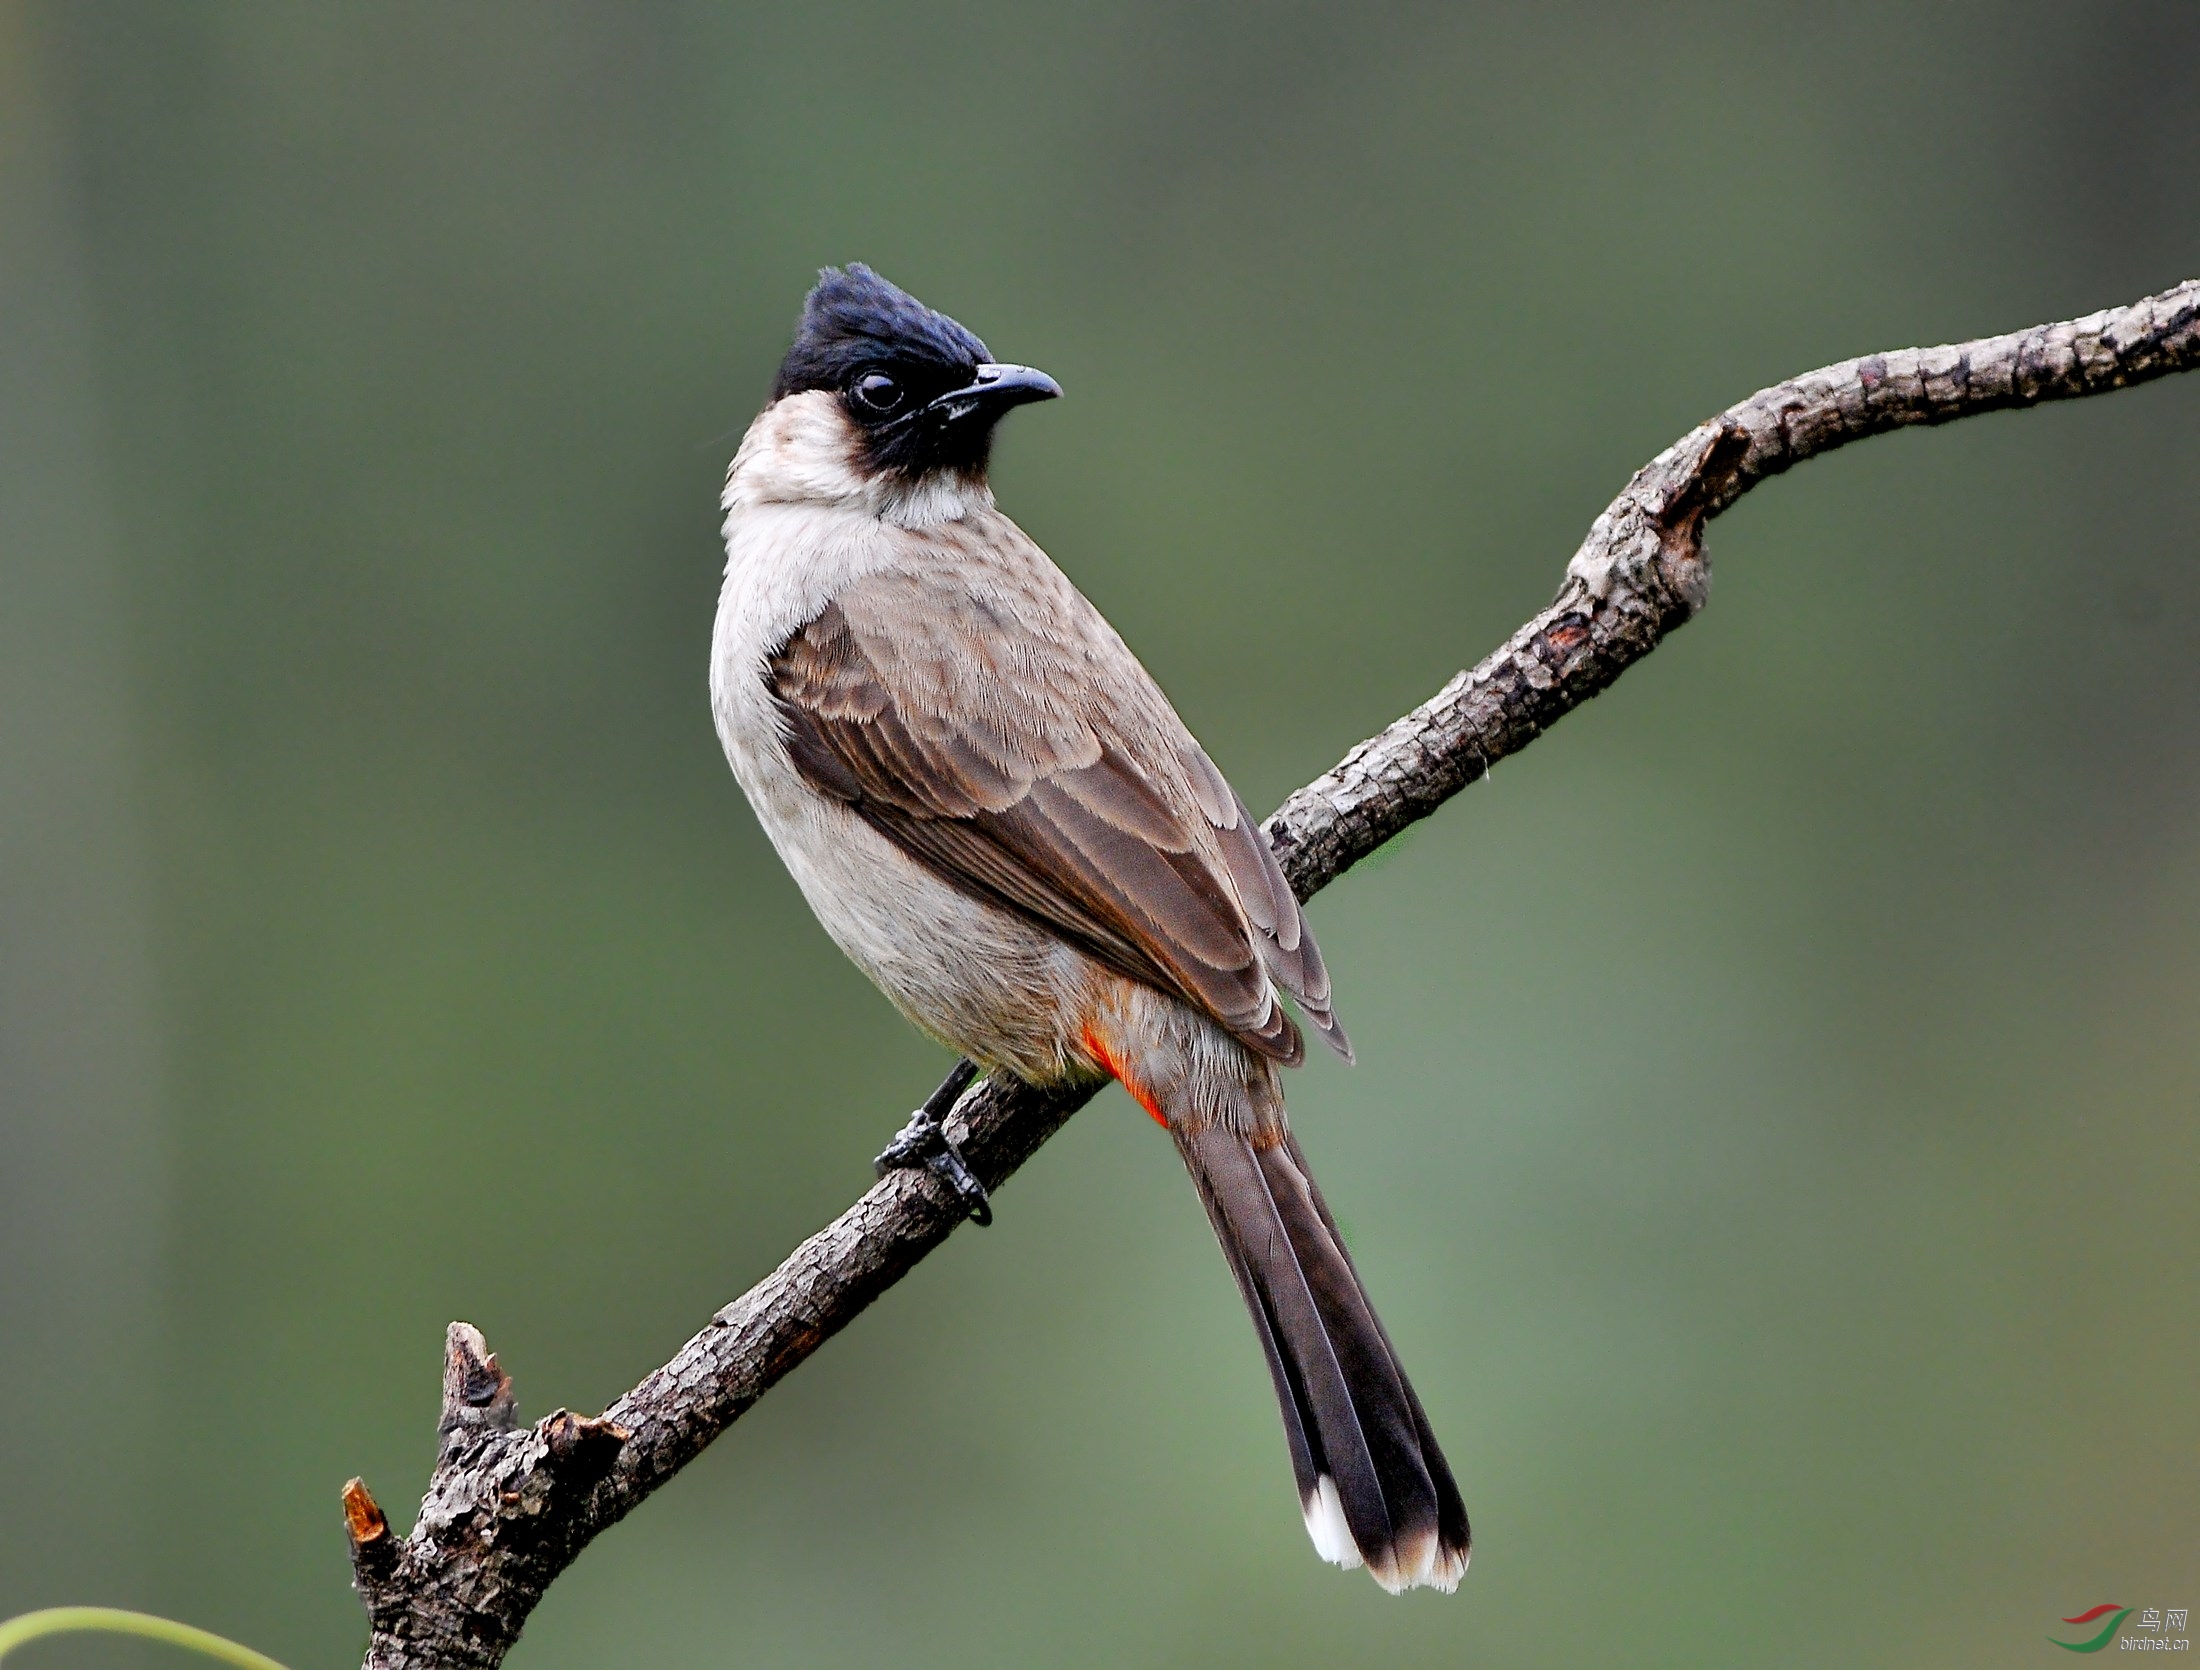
1416, 1563
1421, 1563
1325, 1524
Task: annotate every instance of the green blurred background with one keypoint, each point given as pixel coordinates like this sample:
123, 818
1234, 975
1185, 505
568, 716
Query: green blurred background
1774, 1144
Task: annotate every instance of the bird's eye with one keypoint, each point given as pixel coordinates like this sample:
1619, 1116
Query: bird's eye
878, 394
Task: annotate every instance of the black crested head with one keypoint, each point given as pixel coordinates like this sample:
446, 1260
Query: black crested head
854, 319
922, 391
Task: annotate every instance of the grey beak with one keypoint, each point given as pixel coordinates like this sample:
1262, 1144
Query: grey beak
994, 390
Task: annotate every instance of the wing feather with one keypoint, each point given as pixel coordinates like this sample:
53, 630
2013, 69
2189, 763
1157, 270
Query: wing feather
976, 743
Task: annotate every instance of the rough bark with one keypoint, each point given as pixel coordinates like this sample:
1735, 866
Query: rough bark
509, 1507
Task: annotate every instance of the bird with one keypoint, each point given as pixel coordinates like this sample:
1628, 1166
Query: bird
997, 815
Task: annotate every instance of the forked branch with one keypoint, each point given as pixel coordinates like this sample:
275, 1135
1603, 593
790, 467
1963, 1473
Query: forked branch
509, 1507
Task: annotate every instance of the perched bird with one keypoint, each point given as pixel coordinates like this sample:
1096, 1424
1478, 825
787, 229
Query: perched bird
996, 813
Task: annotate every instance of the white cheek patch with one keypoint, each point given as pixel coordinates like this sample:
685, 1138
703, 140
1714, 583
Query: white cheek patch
800, 450
803, 450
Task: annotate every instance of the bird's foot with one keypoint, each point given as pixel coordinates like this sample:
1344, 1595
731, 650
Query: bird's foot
923, 1143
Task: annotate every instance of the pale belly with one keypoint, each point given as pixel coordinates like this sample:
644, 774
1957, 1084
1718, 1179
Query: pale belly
981, 980
977, 978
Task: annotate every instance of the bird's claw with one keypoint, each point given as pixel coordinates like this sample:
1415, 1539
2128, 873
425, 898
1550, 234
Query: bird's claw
924, 1144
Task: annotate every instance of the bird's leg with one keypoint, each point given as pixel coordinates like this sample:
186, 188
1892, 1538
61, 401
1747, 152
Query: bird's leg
923, 1142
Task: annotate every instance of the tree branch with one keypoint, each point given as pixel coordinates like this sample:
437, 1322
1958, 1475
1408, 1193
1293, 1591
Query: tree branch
508, 1507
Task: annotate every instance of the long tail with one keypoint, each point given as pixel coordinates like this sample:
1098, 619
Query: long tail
1374, 1486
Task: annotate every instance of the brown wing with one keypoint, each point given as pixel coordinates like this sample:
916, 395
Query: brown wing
972, 741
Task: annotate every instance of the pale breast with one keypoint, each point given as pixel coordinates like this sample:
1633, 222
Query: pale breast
983, 981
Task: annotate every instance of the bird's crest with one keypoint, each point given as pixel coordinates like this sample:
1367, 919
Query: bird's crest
854, 318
